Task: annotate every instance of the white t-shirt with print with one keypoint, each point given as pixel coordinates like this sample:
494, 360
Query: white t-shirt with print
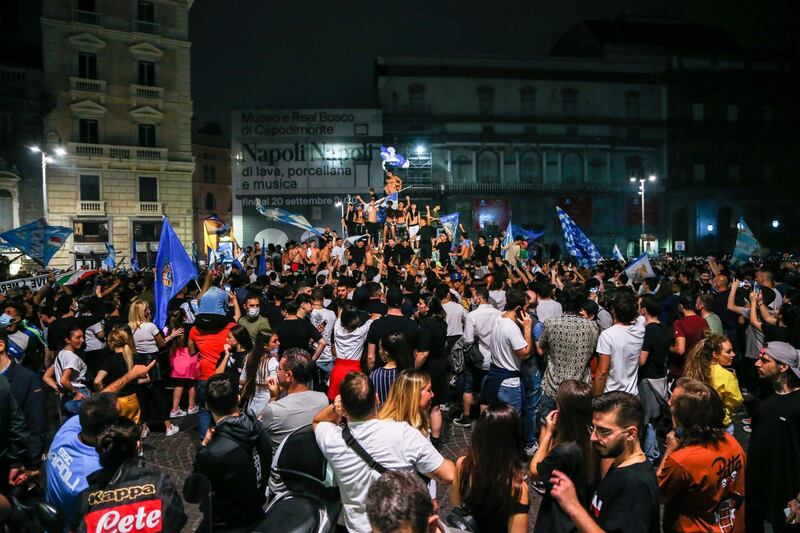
67, 359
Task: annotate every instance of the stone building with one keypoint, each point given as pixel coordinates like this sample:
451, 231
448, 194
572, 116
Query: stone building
118, 75
211, 182
516, 137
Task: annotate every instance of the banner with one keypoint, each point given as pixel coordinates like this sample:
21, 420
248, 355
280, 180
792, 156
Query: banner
35, 283
640, 269
746, 245
38, 240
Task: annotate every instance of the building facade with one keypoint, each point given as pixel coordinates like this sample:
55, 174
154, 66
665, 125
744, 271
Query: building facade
118, 75
211, 182
516, 138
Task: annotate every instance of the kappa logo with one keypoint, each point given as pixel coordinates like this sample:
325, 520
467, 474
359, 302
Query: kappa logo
140, 517
597, 506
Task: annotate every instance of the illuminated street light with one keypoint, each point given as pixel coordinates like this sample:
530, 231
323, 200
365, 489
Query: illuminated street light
420, 149
642, 182
58, 151
775, 223
710, 228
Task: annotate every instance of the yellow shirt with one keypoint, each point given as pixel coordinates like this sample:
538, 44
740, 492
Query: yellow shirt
727, 386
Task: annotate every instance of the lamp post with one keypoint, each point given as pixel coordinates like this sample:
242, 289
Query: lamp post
642, 182
47, 158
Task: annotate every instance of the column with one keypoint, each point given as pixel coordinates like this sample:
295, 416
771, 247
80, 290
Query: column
608, 167
585, 168
502, 166
544, 166
449, 165
474, 166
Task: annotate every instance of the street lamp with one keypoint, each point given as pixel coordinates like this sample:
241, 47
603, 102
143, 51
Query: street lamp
642, 182
776, 223
58, 151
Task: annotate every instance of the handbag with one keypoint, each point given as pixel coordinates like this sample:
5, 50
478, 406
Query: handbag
184, 366
474, 355
461, 518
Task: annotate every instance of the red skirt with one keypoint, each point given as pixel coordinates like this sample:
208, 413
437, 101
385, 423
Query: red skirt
341, 367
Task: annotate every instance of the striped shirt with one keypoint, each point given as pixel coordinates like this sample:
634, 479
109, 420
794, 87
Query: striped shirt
382, 378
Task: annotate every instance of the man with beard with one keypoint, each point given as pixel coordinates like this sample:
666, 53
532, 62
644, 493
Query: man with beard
628, 496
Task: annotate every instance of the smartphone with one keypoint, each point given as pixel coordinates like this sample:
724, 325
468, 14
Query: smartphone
227, 287
455, 276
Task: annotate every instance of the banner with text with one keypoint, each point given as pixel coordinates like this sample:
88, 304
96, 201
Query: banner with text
304, 161
35, 283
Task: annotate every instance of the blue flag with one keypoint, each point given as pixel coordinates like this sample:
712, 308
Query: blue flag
110, 259
134, 257
640, 268
38, 240
616, 254
746, 245
527, 234
262, 261
509, 238
578, 244
174, 269
280, 215
450, 222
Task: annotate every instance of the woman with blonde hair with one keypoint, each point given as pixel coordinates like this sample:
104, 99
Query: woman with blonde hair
706, 363
148, 341
114, 366
409, 401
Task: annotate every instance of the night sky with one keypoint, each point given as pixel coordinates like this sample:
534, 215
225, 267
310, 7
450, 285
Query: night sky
288, 54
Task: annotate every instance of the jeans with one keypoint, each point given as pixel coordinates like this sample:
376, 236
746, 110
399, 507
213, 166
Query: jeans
322, 375
204, 419
531, 397
70, 406
512, 396
651, 443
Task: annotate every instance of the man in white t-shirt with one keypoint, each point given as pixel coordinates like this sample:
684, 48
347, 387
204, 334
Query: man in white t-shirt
547, 307
323, 319
393, 445
509, 344
477, 329
619, 348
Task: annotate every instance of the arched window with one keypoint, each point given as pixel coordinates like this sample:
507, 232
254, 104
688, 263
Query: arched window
488, 167
571, 168
597, 170
461, 168
6, 210
530, 168
211, 203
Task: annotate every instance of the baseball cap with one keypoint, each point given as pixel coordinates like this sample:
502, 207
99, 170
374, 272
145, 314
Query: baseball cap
784, 353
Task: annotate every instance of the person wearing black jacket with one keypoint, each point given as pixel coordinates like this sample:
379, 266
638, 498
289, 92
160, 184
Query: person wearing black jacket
28, 391
235, 458
13, 436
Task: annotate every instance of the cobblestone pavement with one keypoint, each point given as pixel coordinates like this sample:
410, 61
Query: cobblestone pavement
175, 455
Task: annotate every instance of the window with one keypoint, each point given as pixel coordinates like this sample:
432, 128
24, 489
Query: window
698, 112
572, 168
597, 170
90, 230
528, 102
488, 167
633, 167
632, 104
147, 135
146, 232
486, 101
145, 12
461, 168
530, 168
147, 73
732, 114
87, 5
148, 189
209, 174
569, 102
90, 188
733, 173
88, 131
699, 173
510, 166
211, 203
87, 65
416, 99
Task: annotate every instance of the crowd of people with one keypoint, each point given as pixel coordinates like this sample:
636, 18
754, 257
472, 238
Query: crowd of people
606, 396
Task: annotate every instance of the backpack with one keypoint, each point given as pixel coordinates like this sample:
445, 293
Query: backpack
458, 355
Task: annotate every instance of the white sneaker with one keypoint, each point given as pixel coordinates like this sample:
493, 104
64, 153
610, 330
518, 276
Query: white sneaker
145, 432
193, 410
530, 450
172, 430
177, 413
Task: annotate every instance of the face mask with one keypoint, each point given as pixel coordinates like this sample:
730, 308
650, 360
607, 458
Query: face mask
252, 313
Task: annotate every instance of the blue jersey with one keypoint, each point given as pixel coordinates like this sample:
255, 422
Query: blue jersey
68, 464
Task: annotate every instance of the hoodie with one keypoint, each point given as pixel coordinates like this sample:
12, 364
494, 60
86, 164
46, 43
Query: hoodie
236, 461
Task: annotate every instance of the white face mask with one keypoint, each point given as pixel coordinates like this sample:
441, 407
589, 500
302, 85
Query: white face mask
252, 313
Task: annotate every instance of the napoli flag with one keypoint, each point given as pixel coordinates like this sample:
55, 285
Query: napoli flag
640, 269
450, 222
617, 254
509, 238
174, 269
578, 244
746, 245
111, 258
38, 240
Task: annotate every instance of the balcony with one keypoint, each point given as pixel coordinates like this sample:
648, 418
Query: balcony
87, 17
87, 88
147, 94
143, 26
118, 151
90, 207
150, 208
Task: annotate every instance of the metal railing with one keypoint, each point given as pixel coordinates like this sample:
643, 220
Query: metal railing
143, 26
87, 17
